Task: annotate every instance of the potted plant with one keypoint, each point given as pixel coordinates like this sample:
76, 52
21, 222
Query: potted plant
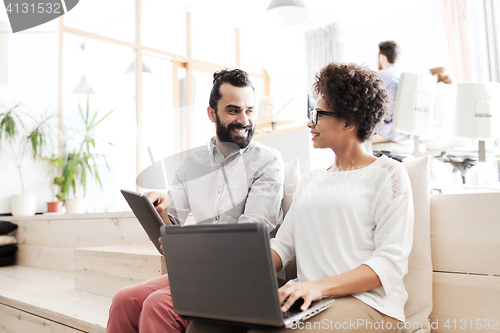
81, 161
22, 134
56, 164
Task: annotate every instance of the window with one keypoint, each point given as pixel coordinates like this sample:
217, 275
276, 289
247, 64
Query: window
161, 109
110, 18
252, 48
163, 26
103, 64
213, 41
203, 127
157, 110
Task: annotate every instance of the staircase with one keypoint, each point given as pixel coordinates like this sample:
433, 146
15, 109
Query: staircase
103, 270
69, 267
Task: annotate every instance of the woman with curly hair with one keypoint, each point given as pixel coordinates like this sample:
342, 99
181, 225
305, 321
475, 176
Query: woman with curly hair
350, 226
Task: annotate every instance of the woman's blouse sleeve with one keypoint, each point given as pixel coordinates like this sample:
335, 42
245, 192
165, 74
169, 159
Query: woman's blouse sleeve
394, 229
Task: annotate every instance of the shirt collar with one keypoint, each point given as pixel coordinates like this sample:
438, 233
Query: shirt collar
213, 149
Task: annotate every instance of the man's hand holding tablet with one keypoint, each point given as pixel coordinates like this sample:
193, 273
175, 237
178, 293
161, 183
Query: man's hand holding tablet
161, 203
151, 211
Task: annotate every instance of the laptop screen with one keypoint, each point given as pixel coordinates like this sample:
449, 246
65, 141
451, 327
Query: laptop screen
222, 272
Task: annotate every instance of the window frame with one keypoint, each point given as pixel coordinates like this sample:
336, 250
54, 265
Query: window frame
179, 61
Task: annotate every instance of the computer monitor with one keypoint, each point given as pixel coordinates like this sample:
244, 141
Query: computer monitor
414, 103
477, 112
311, 104
477, 106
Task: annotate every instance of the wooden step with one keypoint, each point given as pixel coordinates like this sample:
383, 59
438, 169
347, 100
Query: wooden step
49, 241
36, 300
14, 320
104, 270
465, 302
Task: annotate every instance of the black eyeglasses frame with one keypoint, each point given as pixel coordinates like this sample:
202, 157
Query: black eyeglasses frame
313, 115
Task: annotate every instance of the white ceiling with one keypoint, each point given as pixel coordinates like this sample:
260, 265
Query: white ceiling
351, 14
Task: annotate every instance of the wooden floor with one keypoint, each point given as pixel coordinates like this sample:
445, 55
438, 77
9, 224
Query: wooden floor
50, 298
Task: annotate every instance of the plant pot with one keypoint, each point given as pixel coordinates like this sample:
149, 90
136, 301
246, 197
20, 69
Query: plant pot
23, 204
75, 206
54, 207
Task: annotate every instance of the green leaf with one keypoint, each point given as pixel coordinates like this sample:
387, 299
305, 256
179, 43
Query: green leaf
106, 161
91, 125
102, 118
8, 125
80, 111
98, 179
82, 163
59, 180
88, 108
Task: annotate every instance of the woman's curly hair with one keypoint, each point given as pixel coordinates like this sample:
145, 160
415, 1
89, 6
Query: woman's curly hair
357, 93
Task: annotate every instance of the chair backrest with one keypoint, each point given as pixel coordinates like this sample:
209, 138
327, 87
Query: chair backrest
418, 281
292, 180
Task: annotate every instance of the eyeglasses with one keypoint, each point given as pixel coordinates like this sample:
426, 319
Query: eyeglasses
313, 115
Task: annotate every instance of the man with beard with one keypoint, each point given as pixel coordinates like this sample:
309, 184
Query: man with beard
231, 180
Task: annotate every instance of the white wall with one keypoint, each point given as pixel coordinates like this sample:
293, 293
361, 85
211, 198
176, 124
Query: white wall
32, 58
3, 54
361, 25
418, 30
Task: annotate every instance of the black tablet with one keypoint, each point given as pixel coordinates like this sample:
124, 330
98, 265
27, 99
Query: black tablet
146, 213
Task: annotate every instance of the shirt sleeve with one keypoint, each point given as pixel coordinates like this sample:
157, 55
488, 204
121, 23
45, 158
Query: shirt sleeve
179, 205
263, 204
393, 232
284, 242
386, 77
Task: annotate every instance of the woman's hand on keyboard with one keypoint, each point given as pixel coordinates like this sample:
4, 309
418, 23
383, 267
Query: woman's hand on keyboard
309, 291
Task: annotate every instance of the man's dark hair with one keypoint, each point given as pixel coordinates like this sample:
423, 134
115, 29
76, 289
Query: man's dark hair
235, 77
390, 49
357, 93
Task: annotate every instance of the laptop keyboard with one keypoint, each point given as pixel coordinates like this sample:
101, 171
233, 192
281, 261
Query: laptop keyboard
289, 313
294, 309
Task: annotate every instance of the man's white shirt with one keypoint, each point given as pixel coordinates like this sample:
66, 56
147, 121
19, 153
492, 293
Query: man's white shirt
245, 187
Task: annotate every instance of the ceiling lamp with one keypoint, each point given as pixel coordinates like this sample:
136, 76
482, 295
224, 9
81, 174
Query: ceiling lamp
286, 12
83, 87
132, 66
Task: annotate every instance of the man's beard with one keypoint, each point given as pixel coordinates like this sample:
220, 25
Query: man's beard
224, 133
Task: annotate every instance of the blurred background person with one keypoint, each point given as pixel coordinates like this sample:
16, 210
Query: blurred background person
442, 136
444, 97
387, 55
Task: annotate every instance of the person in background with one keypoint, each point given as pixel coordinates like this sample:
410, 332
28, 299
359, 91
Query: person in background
443, 135
387, 56
232, 179
444, 97
440, 74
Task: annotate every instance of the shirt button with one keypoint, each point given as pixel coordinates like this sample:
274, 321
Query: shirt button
218, 191
222, 164
216, 218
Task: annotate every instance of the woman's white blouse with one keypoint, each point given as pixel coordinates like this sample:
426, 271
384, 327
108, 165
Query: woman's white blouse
340, 220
